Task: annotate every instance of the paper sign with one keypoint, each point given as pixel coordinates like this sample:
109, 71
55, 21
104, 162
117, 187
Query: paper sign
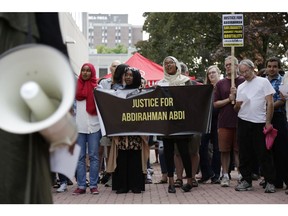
62, 161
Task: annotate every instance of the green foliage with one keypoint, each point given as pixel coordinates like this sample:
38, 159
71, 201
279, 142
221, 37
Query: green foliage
119, 49
196, 38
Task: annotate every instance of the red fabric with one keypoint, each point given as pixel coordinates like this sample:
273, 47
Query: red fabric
150, 71
270, 135
85, 89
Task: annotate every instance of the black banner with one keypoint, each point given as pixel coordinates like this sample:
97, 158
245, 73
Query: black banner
164, 111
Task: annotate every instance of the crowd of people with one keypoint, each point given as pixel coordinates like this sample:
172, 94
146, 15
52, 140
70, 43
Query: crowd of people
244, 104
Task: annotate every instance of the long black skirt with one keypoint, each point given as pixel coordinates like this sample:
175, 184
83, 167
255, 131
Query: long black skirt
128, 174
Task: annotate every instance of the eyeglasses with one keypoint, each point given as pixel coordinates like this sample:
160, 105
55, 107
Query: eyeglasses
245, 72
211, 72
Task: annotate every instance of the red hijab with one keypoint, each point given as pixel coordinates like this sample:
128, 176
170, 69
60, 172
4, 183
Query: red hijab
85, 89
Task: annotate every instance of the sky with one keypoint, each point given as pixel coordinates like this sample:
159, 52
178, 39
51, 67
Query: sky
136, 8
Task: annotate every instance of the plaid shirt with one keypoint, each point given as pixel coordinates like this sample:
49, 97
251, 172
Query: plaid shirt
276, 82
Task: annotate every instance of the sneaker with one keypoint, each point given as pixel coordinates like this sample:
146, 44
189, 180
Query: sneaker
62, 188
270, 188
148, 178
225, 182
87, 183
244, 186
151, 171
56, 184
79, 191
94, 191
109, 183
240, 179
263, 183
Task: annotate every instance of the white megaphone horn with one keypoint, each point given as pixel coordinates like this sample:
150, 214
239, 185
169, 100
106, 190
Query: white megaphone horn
38, 90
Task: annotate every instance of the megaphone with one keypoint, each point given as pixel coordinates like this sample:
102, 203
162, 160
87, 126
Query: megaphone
38, 90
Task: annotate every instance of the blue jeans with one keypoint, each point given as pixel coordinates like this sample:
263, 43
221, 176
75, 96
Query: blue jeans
93, 142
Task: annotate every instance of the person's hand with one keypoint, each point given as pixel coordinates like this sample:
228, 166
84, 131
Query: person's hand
268, 126
237, 105
71, 148
233, 90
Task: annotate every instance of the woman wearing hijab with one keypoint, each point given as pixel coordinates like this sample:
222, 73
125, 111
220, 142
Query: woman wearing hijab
88, 129
129, 154
173, 77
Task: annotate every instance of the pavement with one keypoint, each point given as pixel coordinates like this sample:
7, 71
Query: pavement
158, 194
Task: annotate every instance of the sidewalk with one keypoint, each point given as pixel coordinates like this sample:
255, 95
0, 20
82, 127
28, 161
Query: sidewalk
158, 194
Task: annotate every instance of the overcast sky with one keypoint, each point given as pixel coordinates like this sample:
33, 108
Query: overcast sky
134, 7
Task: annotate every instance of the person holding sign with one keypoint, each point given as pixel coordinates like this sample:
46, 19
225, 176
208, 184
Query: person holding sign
129, 154
173, 77
224, 97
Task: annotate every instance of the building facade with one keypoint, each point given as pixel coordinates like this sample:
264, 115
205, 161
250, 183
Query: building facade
111, 30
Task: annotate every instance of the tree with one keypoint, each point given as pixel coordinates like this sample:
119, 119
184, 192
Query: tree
196, 38
120, 48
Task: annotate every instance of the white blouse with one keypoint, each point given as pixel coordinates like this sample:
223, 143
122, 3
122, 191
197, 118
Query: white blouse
86, 123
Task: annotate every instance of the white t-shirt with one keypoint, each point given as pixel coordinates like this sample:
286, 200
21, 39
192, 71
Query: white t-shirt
285, 82
86, 123
253, 94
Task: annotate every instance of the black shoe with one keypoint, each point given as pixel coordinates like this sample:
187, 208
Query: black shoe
255, 177
205, 179
171, 189
105, 178
215, 180
136, 191
69, 182
121, 191
186, 187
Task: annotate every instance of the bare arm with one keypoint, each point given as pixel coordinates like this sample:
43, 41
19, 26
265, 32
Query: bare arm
221, 103
237, 106
279, 103
270, 110
224, 102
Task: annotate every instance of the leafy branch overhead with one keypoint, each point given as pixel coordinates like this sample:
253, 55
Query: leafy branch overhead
196, 38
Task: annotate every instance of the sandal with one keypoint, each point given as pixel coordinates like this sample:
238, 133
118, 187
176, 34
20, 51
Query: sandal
178, 183
186, 187
161, 182
194, 182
